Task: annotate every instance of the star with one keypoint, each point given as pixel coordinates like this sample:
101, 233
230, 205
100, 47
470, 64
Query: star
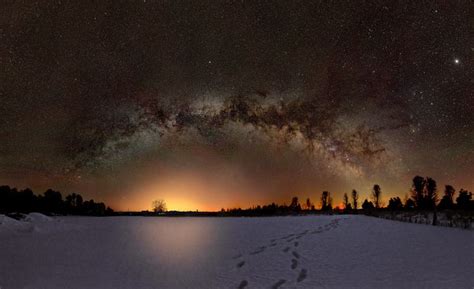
330, 95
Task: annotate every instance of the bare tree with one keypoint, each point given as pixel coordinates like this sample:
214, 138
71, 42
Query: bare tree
447, 200
376, 192
355, 198
424, 193
449, 192
347, 204
309, 205
159, 206
326, 201
418, 191
431, 193
464, 200
295, 205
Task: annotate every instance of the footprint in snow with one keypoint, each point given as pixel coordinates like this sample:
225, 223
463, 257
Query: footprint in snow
294, 264
286, 249
303, 274
240, 264
297, 256
278, 284
237, 256
258, 251
243, 284
296, 244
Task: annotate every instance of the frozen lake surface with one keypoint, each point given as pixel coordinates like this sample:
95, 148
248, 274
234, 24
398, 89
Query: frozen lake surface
276, 252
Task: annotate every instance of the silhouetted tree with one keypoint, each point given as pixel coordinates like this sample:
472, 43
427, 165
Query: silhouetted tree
431, 195
52, 201
418, 191
446, 202
409, 204
24, 201
92, 208
309, 205
395, 204
109, 211
348, 208
28, 200
424, 193
159, 206
12, 200
464, 200
376, 193
74, 203
295, 205
4, 198
449, 192
326, 201
346, 201
367, 206
355, 198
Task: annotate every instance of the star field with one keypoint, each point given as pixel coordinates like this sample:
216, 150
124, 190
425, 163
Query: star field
226, 103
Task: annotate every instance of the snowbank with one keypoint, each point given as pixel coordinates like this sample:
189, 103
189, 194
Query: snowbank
10, 225
37, 218
32, 222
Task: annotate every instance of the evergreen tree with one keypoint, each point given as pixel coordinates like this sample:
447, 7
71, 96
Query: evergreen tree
464, 200
326, 201
446, 202
376, 195
355, 198
367, 205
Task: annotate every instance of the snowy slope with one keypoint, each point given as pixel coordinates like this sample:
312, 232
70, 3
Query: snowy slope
276, 252
10, 226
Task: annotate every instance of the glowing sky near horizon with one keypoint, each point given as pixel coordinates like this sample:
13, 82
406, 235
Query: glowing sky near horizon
234, 103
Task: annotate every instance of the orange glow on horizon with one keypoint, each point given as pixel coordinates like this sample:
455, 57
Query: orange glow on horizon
191, 191
185, 192
179, 198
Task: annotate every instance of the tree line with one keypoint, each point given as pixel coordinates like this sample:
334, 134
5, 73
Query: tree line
50, 202
423, 197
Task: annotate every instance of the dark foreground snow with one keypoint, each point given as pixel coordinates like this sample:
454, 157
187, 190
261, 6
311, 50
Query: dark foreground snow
276, 252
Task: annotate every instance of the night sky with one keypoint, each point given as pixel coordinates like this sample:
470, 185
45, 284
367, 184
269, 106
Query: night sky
211, 104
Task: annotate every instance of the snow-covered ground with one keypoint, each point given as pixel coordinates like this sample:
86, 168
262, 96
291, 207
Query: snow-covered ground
276, 252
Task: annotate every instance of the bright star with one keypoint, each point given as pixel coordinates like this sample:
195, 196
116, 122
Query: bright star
456, 60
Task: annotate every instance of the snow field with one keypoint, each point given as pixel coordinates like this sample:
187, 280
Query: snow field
340, 251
